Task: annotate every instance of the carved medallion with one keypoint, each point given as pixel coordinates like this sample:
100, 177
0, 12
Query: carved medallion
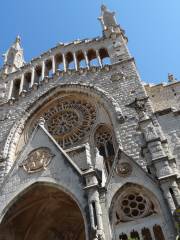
37, 160
124, 169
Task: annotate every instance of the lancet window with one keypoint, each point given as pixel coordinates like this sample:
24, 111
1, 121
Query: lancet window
104, 143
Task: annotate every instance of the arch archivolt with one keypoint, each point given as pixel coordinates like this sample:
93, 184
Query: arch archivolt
34, 197
86, 92
13, 197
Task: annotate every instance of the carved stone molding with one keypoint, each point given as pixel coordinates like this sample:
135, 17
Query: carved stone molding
37, 160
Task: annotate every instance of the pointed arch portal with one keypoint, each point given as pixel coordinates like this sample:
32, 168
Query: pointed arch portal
43, 212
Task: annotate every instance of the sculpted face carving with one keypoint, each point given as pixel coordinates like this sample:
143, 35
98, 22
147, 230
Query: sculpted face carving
69, 120
37, 160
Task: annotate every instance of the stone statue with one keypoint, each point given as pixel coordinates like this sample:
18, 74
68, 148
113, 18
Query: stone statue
107, 19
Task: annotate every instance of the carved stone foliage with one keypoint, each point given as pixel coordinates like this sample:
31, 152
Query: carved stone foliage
133, 204
70, 120
123, 169
37, 160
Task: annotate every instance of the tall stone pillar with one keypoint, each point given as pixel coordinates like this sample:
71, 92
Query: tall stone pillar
64, 62
43, 70
53, 65
75, 61
86, 59
32, 76
99, 59
22, 83
97, 231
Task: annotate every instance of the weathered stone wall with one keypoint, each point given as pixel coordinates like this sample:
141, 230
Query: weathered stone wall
164, 96
123, 90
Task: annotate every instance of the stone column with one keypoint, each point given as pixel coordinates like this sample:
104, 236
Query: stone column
99, 59
176, 193
99, 214
53, 65
94, 205
64, 62
22, 83
86, 59
152, 232
11, 89
75, 61
32, 77
43, 70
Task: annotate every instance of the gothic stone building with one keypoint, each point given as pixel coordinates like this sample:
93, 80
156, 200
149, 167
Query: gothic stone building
87, 151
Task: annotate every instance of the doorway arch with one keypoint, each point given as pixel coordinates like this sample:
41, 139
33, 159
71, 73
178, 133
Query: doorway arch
43, 212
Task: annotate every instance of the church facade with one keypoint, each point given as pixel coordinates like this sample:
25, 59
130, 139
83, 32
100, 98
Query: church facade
87, 151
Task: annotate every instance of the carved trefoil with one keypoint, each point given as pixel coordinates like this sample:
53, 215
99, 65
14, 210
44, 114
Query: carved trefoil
37, 160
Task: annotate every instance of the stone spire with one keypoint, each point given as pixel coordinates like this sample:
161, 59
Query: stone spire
13, 58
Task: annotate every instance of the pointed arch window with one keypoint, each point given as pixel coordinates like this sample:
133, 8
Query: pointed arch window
104, 143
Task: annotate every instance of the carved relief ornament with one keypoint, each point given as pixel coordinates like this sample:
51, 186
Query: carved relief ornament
123, 169
37, 160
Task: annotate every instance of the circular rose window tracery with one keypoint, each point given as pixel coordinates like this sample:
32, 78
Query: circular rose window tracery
69, 120
133, 205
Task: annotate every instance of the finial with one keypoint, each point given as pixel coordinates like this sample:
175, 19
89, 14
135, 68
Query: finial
18, 39
41, 121
107, 19
171, 78
103, 8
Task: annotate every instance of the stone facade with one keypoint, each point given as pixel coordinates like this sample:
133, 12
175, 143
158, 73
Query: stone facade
86, 150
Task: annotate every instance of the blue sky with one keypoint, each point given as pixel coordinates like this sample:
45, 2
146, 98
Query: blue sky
152, 27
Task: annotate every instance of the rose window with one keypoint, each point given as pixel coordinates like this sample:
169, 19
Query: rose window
70, 120
134, 205
63, 122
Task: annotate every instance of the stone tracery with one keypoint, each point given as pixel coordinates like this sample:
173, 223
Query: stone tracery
134, 205
69, 120
104, 142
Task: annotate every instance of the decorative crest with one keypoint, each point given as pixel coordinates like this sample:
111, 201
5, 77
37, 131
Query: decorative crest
123, 169
37, 160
